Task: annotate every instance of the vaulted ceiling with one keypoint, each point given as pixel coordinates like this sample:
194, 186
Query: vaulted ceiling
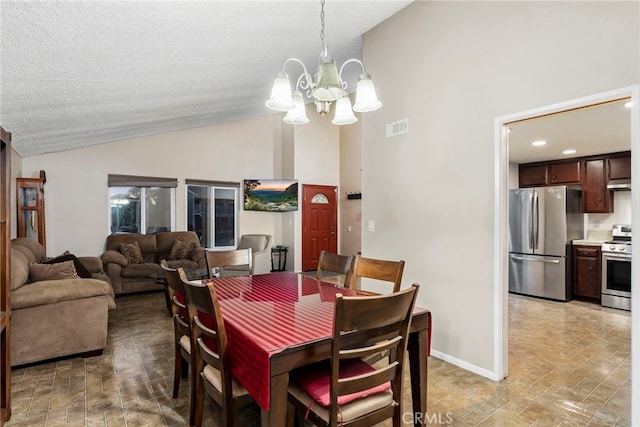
81, 73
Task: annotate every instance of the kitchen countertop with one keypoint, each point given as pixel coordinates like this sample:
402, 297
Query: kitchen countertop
594, 238
586, 242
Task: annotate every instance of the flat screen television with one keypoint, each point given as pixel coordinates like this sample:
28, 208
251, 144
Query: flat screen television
271, 195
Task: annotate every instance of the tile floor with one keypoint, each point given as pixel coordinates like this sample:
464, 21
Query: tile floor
569, 366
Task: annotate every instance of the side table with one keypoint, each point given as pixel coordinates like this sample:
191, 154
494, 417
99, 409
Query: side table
278, 258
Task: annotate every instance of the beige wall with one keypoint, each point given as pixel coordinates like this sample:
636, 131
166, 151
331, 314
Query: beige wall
76, 193
350, 181
317, 161
451, 68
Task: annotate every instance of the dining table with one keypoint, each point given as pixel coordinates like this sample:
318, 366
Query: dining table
280, 321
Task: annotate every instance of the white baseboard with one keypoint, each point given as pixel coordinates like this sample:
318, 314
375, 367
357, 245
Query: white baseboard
465, 365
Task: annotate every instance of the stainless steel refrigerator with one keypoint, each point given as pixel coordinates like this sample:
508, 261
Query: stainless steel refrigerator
542, 223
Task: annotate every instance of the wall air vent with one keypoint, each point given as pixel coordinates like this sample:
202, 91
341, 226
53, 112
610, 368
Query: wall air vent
396, 128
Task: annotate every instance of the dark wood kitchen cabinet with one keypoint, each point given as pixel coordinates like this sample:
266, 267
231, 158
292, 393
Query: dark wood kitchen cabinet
620, 167
533, 175
587, 264
564, 173
596, 198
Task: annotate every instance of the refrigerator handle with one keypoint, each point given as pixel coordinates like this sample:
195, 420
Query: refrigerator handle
536, 226
530, 222
545, 260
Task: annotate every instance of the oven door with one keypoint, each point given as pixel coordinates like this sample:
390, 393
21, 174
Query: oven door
616, 274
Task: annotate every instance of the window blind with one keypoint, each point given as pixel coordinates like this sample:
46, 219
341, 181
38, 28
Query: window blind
206, 183
140, 181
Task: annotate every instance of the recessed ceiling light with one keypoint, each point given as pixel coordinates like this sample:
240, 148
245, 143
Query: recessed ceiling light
539, 143
628, 104
569, 151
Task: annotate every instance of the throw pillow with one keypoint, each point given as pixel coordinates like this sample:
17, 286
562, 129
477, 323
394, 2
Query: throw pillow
131, 252
315, 379
59, 271
80, 269
181, 249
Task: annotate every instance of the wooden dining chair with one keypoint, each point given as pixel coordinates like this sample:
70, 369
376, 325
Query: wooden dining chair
383, 270
334, 263
346, 391
181, 330
212, 369
236, 262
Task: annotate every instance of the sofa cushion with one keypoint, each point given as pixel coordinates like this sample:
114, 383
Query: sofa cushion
93, 264
146, 269
80, 269
19, 269
184, 263
111, 256
53, 291
59, 271
166, 240
181, 249
32, 245
147, 243
131, 252
25, 252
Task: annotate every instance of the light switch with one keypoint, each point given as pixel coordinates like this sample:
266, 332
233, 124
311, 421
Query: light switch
372, 225
349, 228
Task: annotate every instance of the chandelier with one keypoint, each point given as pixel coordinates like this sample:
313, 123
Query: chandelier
327, 87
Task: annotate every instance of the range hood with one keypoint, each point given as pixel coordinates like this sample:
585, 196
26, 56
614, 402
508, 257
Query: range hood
619, 184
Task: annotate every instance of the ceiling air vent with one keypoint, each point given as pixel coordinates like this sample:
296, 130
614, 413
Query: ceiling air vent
397, 128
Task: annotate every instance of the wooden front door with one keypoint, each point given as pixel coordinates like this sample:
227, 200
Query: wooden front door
319, 223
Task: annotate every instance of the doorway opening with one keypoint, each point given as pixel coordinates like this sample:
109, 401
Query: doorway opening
501, 182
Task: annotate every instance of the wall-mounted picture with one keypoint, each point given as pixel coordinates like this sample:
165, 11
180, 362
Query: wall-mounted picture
271, 195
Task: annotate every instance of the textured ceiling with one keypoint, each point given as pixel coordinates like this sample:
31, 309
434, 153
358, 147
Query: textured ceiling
81, 73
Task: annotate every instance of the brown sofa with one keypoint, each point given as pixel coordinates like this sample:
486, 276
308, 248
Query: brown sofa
127, 277
55, 318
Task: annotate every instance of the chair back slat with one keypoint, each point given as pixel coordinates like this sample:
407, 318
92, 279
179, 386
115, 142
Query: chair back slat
371, 268
363, 382
236, 257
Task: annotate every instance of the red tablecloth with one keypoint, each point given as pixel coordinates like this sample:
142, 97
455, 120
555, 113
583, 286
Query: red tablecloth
265, 314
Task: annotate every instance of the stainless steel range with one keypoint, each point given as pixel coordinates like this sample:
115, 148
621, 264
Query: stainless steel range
616, 269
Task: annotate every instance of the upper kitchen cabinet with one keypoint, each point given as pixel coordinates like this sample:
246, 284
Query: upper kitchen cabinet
620, 167
552, 173
564, 173
596, 198
593, 173
533, 175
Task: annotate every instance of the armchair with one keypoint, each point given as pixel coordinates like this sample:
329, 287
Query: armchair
260, 245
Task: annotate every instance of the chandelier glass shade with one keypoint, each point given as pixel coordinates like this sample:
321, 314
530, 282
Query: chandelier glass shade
326, 87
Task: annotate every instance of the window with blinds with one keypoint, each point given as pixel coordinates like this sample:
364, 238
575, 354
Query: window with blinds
141, 204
